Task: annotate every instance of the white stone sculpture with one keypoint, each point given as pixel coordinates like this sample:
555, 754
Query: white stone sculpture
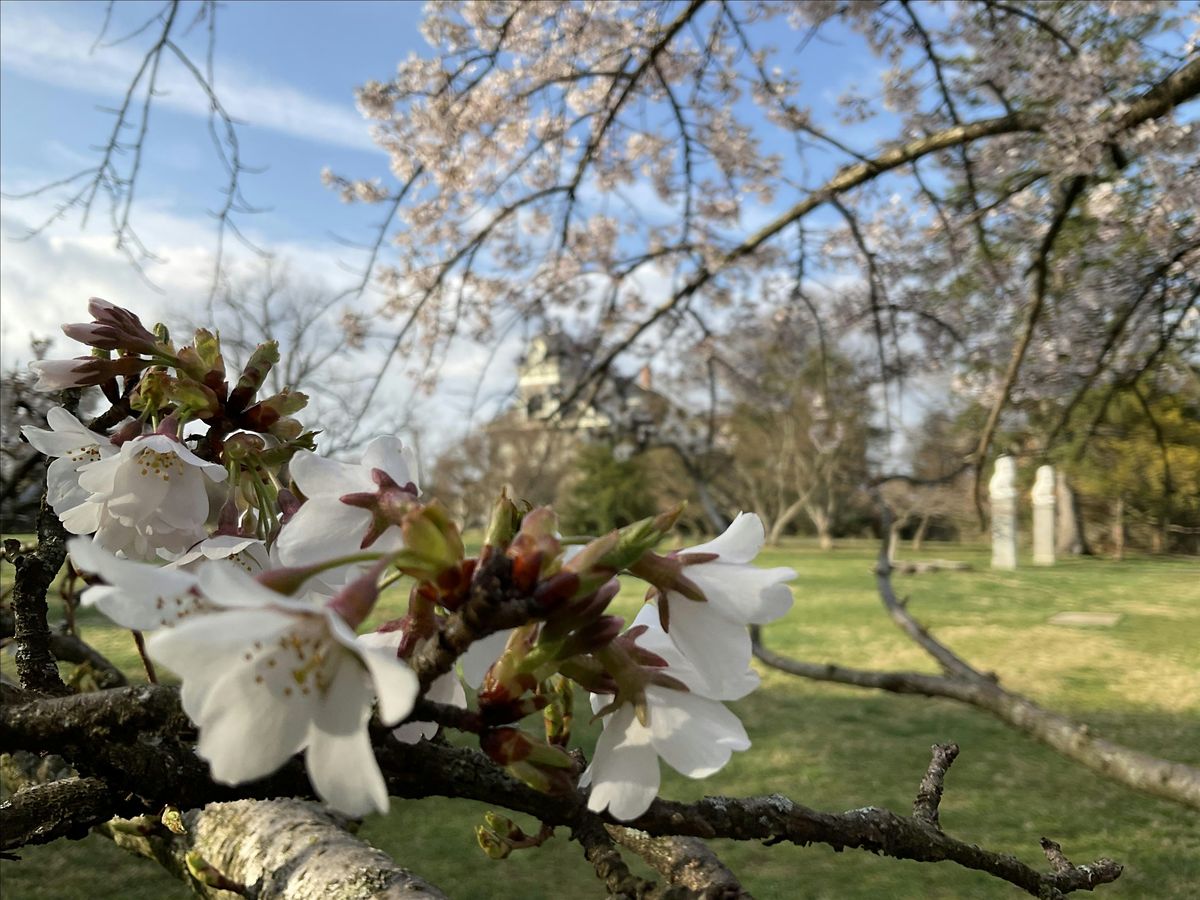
1002, 490
1043, 517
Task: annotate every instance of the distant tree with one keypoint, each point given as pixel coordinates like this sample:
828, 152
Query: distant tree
799, 431
603, 492
1139, 463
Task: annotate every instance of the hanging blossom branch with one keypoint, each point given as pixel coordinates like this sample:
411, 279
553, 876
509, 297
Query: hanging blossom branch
515, 141
259, 619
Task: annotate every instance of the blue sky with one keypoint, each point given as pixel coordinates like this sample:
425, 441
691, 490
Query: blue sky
288, 70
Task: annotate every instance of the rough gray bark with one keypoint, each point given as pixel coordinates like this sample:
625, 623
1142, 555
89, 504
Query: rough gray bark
276, 850
683, 861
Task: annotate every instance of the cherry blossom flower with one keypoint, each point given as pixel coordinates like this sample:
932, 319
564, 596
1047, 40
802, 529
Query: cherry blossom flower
249, 554
693, 734
75, 446
268, 676
325, 526
138, 595
712, 635
149, 496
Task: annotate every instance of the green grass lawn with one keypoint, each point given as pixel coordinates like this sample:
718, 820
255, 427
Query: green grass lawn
839, 748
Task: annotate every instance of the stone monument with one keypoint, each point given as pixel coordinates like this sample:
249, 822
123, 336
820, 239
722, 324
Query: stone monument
1043, 517
1002, 490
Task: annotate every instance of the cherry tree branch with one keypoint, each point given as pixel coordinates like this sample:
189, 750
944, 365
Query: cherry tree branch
434, 769
272, 850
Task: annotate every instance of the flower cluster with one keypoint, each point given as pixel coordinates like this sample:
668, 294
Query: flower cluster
255, 561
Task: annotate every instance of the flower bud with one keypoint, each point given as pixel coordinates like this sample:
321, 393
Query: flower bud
60, 374
494, 846
254, 374
558, 715
432, 543
503, 523
114, 328
539, 765
151, 391
192, 399
243, 446
172, 819
262, 416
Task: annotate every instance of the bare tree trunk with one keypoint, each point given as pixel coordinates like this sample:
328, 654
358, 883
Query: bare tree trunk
823, 522
894, 540
278, 850
1071, 540
922, 528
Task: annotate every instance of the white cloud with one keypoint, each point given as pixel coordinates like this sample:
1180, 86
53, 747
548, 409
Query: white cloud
39, 45
47, 280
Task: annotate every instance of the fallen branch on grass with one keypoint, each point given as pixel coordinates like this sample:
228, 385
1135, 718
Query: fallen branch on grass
963, 682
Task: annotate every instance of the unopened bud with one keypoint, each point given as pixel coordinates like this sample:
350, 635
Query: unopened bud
114, 328
192, 398
503, 523
494, 846
431, 540
209, 875
60, 374
254, 375
172, 818
262, 416
151, 392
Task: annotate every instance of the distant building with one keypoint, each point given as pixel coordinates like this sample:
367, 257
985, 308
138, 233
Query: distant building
627, 412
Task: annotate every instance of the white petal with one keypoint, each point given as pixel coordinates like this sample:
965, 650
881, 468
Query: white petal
415, 732
138, 491
247, 730
390, 454
445, 689
140, 596
62, 485
58, 442
624, 770
200, 649
344, 772
694, 735
81, 519
186, 503
99, 477
317, 476
345, 704
739, 543
744, 593
396, 685
232, 586
323, 528
718, 648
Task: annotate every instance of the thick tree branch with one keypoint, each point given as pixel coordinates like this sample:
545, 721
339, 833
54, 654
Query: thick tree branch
684, 861
275, 850
159, 771
1174, 90
35, 572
